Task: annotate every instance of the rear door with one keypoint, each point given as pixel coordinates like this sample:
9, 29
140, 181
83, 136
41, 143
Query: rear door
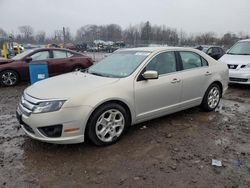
160, 96
195, 77
59, 62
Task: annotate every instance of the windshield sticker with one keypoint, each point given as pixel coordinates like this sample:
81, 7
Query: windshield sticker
142, 53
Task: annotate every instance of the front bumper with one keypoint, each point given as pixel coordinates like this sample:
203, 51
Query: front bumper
69, 118
239, 76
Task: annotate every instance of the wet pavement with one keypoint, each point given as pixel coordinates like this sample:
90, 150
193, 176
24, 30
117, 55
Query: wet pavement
172, 151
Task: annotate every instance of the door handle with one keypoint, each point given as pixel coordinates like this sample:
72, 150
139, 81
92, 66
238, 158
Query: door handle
175, 80
208, 73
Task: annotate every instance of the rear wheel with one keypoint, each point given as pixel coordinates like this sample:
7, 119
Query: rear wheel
9, 78
77, 68
212, 98
107, 124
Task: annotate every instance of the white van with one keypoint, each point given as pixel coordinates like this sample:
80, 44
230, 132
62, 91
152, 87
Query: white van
238, 61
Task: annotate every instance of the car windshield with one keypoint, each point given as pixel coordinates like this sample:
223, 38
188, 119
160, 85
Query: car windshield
120, 64
21, 55
240, 48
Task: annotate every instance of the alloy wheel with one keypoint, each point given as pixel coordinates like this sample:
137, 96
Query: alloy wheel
213, 97
9, 78
110, 125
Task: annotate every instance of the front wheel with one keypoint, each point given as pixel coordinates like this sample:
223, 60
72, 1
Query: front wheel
107, 124
9, 78
211, 98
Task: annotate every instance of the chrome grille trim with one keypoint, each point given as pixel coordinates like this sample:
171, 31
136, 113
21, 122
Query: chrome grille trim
32, 100
27, 104
24, 110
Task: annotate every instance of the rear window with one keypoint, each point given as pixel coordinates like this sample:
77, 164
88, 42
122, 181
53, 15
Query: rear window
59, 54
192, 60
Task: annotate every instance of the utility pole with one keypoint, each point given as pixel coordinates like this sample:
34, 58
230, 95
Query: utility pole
64, 35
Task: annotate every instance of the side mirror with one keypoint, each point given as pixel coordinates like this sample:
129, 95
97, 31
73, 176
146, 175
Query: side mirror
148, 75
28, 59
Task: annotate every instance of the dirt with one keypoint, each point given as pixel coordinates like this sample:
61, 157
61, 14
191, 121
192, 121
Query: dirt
172, 151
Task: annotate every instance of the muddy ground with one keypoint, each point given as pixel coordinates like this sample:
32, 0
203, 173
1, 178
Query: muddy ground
173, 151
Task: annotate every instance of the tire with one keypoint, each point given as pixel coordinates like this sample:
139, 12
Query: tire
211, 98
9, 78
107, 124
77, 68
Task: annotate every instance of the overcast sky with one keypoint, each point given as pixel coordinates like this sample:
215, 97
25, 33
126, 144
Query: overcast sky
193, 16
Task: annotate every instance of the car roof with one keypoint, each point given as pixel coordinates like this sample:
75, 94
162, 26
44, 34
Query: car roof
52, 48
245, 40
209, 46
155, 49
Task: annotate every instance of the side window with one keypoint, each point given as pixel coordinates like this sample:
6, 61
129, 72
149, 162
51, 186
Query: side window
59, 54
220, 50
216, 51
204, 62
40, 55
191, 60
163, 63
69, 54
209, 51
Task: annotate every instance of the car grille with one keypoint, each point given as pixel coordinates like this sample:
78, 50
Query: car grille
243, 66
231, 66
238, 79
27, 104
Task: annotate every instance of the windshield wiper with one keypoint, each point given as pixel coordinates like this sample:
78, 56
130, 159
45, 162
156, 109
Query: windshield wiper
97, 74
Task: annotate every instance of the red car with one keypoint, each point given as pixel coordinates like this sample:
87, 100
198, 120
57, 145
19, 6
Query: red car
59, 61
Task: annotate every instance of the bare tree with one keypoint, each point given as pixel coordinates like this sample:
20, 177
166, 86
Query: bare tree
40, 37
68, 35
27, 32
228, 39
206, 38
146, 32
3, 33
114, 32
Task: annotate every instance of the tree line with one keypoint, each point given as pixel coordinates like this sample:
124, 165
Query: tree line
141, 34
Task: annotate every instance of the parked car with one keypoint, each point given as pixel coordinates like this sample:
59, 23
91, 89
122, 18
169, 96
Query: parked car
128, 87
238, 61
215, 52
16, 46
59, 61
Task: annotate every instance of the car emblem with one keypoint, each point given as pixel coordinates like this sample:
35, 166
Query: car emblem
231, 66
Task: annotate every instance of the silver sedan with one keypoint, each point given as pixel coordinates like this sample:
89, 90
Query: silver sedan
128, 87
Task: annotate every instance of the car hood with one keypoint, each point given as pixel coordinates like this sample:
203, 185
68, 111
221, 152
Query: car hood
235, 59
68, 85
5, 61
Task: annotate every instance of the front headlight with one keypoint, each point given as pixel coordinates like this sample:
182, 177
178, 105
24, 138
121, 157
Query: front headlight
48, 106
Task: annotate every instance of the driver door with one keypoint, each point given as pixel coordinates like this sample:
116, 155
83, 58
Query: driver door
154, 98
38, 56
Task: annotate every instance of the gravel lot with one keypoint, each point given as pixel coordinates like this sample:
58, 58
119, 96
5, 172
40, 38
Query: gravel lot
172, 151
